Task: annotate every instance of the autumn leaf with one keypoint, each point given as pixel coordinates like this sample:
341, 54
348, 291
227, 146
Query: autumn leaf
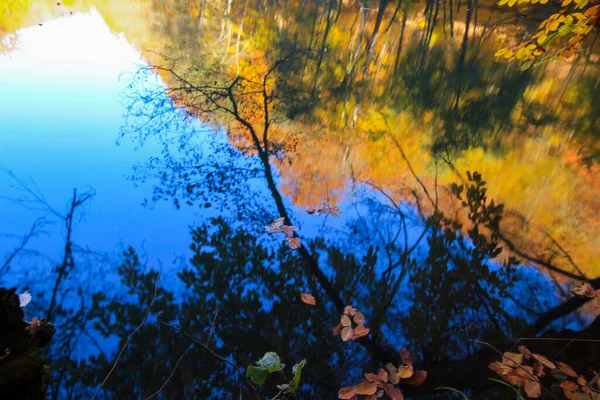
359, 318
567, 369
374, 378
417, 379
288, 230
405, 371
525, 351
543, 360
293, 242
326, 208
382, 374
366, 388
569, 385
337, 330
581, 381
393, 373
308, 299
533, 389
276, 225
584, 288
512, 379
361, 331
345, 321
405, 356
393, 392
499, 368
347, 334
512, 359
349, 310
347, 392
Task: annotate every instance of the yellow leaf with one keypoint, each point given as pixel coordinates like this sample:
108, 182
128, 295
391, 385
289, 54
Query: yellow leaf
511, 2
405, 371
566, 2
500, 52
366, 388
542, 38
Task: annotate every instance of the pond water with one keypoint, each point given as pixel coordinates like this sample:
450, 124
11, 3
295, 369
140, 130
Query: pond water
140, 137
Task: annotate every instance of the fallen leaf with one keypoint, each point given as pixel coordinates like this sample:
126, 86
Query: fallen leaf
337, 330
512, 379
405, 356
366, 388
347, 334
405, 371
293, 242
533, 389
393, 373
584, 289
288, 230
417, 379
382, 375
512, 359
276, 225
543, 360
538, 369
349, 310
581, 381
499, 368
569, 385
361, 331
373, 378
347, 392
345, 320
525, 351
526, 372
327, 208
567, 369
359, 318
393, 392
308, 299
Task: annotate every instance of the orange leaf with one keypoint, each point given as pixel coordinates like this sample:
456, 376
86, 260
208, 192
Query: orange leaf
347, 334
569, 385
337, 330
393, 373
308, 299
275, 225
567, 369
359, 318
382, 375
347, 392
417, 379
512, 359
405, 371
512, 379
349, 310
288, 230
543, 360
499, 368
361, 331
584, 288
373, 378
525, 351
393, 392
345, 320
533, 389
581, 381
366, 388
293, 242
405, 356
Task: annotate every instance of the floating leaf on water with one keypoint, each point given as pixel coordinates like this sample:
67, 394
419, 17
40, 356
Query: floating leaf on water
525, 351
393, 373
584, 289
288, 230
533, 389
405, 371
383, 375
337, 330
347, 334
405, 356
359, 318
512, 359
297, 371
499, 368
393, 392
276, 225
24, 299
361, 331
268, 364
543, 360
569, 385
345, 321
308, 299
349, 310
567, 369
347, 392
293, 242
373, 378
366, 388
417, 379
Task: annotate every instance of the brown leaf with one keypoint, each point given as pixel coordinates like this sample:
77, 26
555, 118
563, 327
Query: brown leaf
275, 225
581, 381
347, 392
311, 211
526, 372
382, 375
543, 360
499, 368
293, 242
371, 397
538, 369
327, 208
405, 356
569, 385
361, 331
349, 310
533, 389
393, 392
366, 388
512, 379
405, 371
373, 378
566, 368
288, 230
308, 299
393, 373
337, 330
347, 334
359, 318
417, 379
584, 289
512, 359
525, 351
345, 320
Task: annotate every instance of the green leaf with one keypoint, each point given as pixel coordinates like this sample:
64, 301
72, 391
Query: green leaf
268, 364
297, 371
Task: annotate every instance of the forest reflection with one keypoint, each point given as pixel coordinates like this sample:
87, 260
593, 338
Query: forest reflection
383, 106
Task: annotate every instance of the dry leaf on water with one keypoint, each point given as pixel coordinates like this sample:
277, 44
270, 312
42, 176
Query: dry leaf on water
382, 375
349, 310
359, 317
525, 351
405, 371
347, 392
366, 388
276, 225
345, 320
500, 368
373, 378
361, 331
417, 379
293, 242
405, 356
567, 369
584, 289
543, 360
393, 373
393, 392
308, 299
337, 330
512, 359
347, 334
533, 389
288, 230
569, 385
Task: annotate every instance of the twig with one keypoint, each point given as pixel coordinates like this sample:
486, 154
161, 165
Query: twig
148, 311
170, 376
212, 327
562, 339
